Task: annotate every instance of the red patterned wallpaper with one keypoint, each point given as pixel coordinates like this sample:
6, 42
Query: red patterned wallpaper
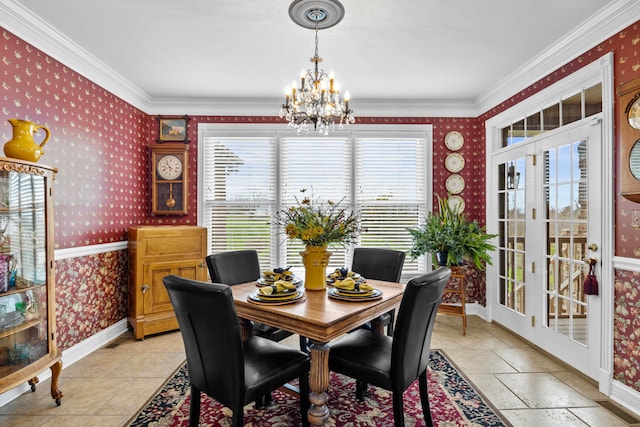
626, 334
91, 295
98, 143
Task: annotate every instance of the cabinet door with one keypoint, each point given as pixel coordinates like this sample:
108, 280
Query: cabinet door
155, 298
25, 298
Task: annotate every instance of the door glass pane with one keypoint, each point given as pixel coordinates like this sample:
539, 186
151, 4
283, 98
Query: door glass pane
511, 249
572, 109
566, 224
593, 100
551, 117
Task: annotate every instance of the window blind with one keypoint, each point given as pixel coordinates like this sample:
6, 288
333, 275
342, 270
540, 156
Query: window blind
391, 191
27, 224
322, 167
239, 191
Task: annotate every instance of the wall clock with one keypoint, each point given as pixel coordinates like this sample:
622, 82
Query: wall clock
169, 179
454, 140
629, 125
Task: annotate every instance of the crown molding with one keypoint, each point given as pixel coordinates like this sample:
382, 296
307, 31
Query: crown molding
271, 107
25, 24
610, 20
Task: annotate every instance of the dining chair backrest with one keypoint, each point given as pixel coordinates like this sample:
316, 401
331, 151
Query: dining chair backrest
210, 329
231, 370
378, 263
416, 316
234, 267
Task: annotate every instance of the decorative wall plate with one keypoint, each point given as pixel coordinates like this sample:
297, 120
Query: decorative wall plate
454, 162
454, 140
457, 201
455, 184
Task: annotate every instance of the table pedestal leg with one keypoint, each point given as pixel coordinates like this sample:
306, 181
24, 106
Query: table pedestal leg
246, 328
377, 326
319, 384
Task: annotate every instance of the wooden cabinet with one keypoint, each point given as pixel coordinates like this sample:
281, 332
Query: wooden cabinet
155, 252
27, 294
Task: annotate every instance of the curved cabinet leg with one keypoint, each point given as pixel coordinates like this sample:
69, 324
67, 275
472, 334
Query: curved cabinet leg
32, 382
56, 394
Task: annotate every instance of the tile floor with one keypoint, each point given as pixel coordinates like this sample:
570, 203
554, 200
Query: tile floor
110, 385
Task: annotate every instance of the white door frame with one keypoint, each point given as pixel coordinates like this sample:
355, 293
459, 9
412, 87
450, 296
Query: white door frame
599, 71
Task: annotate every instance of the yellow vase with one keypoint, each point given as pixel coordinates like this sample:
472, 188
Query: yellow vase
315, 260
22, 146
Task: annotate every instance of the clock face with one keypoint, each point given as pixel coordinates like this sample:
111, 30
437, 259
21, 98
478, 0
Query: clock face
169, 167
633, 116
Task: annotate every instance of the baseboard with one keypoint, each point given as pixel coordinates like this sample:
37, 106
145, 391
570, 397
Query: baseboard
477, 309
625, 396
71, 356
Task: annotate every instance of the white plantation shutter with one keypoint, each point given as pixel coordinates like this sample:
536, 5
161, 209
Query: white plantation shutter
239, 191
391, 191
322, 167
385, 176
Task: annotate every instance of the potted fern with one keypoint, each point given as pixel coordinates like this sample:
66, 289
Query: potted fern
451, 238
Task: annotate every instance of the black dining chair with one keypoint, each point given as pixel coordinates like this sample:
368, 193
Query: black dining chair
394, 363
235, 267
380, 264
232, 371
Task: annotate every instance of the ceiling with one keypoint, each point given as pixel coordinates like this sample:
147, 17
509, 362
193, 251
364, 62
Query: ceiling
453, 51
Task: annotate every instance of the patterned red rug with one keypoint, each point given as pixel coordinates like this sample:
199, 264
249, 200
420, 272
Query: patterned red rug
454, 402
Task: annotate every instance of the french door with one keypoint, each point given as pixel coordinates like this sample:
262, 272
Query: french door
548, 217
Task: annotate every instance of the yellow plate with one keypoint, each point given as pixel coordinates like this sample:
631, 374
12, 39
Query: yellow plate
290, 299
334, 293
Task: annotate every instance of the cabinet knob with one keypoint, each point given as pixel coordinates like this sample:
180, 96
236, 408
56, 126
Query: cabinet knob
202, 265
144, 288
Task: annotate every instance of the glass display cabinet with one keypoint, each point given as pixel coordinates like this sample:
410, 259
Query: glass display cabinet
27, 297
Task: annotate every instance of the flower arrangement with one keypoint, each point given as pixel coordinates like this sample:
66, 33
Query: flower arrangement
449, 233
318, 223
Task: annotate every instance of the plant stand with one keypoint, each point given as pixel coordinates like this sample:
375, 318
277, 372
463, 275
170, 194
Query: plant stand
455, 287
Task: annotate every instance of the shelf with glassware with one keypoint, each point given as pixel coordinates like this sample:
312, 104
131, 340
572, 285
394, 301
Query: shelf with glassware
27, 296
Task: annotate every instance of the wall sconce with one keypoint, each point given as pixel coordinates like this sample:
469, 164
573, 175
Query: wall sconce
513, 177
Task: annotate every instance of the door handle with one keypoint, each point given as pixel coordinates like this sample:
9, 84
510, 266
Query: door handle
593, 247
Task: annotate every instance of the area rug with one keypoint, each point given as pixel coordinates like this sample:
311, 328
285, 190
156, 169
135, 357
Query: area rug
454, 402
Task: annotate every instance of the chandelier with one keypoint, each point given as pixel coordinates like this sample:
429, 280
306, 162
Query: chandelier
317, 100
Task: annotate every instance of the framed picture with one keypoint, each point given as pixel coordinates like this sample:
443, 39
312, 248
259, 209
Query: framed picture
173, 129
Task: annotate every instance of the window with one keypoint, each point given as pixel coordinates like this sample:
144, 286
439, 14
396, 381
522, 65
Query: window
585, 103
247, 175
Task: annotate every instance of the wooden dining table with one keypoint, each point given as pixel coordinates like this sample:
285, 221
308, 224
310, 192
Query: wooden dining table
320, 319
